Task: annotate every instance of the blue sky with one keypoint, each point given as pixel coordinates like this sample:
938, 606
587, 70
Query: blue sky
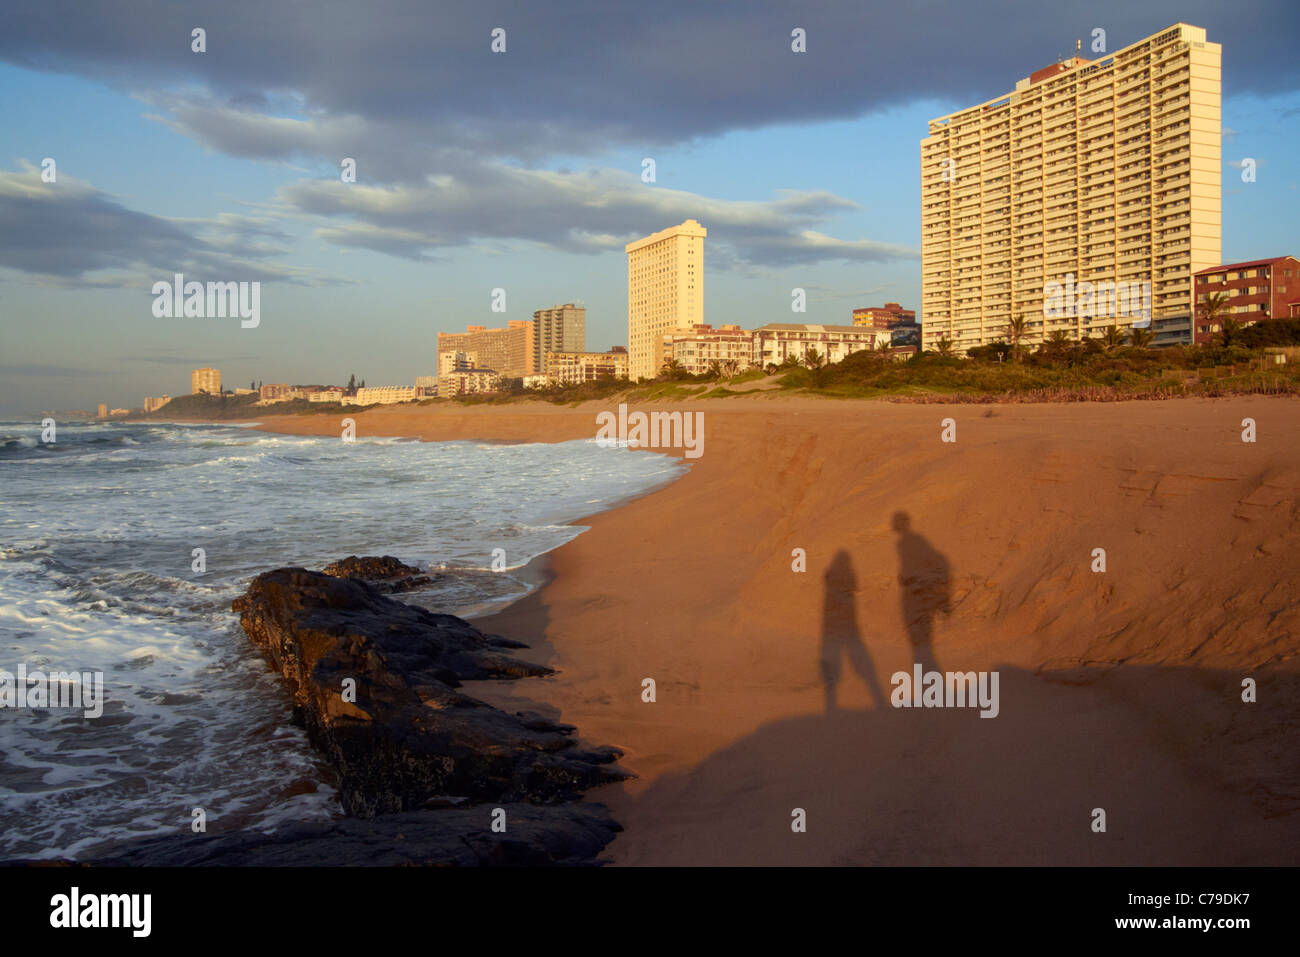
476, 173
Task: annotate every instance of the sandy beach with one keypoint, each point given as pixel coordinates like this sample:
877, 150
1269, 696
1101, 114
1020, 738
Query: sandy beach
1119, 690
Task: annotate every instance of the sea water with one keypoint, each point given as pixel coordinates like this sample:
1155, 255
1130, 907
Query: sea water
98, 533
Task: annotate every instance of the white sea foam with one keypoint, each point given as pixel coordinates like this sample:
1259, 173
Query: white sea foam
96, 575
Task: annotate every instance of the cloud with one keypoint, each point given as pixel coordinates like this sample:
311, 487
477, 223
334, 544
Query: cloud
69, 233
451, 139
402, 81
49, 371
596, 211
187, 361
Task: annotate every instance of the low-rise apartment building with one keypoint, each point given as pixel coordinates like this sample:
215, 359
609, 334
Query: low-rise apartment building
883, 317
697, 348
778, 341
574, 368
276, 392
385, 395
1256, 290
454, 359
468, 381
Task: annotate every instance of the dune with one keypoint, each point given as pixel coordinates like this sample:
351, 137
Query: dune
1121, 690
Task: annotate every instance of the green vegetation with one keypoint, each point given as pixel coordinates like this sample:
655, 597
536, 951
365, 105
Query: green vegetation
600, 388
1063, 369
229, 406
204, 406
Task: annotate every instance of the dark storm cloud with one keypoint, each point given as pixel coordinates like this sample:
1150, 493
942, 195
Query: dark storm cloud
73, 234
67, 231
581, 76
448, 136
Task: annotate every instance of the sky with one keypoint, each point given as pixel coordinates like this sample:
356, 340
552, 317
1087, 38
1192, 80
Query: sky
518, 170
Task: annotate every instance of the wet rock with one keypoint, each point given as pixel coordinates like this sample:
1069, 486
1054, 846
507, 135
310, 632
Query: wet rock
374, 682
386, 573
572, 834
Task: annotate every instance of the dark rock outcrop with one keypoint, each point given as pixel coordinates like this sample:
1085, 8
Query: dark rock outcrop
456, 837
386, 573
373, 680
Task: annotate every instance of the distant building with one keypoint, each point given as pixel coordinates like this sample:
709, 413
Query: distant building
205, 380
275, 392
453, 359
883, 317
426, 386
558, 329
697, 348
508, 350
468, 381
901, 323
330, 393
113, 412
777, 341
574, 368
1256, 290
245, 392
154, 403
103, 410
385, 395
665, 292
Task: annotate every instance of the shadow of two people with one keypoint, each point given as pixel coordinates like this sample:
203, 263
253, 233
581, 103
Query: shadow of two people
925, 590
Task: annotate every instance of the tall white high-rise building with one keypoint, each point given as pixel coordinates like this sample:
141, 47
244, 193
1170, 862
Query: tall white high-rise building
665, 292
1090, 185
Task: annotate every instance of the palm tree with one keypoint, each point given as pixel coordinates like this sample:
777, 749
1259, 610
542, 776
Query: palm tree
944, 346
1216, 304
1140, 338
672, 369
1112, 337
1016, 332
731, 367
1230, 329
813, 359
1058, 343
715, 369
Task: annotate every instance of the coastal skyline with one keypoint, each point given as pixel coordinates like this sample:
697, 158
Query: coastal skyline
693, 435
802, 166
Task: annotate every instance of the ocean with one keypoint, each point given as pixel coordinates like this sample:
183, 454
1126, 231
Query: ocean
98, 534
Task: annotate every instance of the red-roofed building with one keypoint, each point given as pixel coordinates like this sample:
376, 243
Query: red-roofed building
883, 317
1257, 290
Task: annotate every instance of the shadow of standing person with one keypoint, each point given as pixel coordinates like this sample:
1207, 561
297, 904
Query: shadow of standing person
926, 588
840, 634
